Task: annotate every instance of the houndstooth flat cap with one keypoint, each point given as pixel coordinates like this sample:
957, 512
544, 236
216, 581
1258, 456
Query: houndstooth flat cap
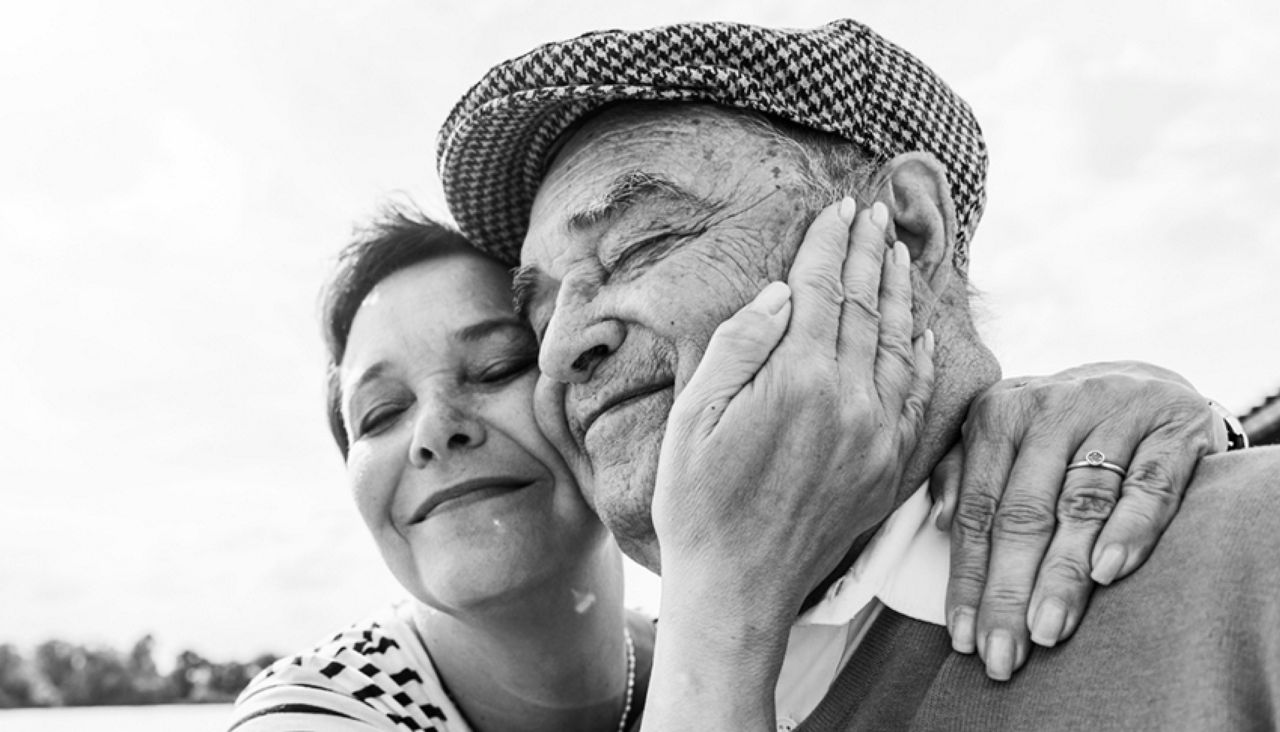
840, 78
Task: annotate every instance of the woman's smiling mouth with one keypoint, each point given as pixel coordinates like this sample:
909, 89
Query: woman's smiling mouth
464, 493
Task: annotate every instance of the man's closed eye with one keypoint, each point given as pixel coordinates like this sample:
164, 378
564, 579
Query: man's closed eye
645, 253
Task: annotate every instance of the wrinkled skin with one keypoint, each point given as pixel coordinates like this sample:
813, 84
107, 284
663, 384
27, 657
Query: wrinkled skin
638, 291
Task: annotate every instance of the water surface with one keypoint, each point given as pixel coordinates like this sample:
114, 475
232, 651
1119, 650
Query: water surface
167, 718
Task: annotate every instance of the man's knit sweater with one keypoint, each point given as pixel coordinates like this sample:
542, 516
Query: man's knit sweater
1190, 642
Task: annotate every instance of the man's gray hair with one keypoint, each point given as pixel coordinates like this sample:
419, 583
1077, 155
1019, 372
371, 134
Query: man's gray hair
832, 166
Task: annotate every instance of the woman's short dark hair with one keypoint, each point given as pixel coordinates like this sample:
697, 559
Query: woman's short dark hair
399, 237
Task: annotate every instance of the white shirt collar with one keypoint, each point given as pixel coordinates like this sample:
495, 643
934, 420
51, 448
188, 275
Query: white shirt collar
905, 566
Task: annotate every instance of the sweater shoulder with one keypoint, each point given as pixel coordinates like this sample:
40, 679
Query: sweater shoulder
1234, 500
1226, 534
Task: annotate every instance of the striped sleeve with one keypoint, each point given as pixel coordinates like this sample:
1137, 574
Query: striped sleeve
374, 676
288, 707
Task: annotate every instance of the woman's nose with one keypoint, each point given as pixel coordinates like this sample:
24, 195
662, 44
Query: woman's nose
443, 428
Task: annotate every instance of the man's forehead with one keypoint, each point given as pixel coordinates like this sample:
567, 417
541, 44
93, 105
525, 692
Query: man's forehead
634, 154
644, 124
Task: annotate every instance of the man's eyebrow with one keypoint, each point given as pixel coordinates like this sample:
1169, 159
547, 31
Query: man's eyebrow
629, 189
479, 331
525, 282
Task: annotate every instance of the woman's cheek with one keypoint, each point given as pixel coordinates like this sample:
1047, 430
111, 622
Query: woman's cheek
370, 485
512, 411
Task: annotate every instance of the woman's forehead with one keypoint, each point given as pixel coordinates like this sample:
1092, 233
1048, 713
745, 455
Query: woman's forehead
422, 306
449, 287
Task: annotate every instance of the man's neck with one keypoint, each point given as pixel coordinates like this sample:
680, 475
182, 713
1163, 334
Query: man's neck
860, 543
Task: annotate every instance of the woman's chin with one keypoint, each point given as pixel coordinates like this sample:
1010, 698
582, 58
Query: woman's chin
486, 576
496, 547
491, 588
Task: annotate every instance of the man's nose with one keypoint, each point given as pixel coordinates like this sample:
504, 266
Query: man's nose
577, 338
443, 429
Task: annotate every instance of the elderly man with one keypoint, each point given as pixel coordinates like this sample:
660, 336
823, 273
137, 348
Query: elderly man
667, 175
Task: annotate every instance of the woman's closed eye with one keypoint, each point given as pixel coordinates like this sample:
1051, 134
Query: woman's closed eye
500, 372
379, 417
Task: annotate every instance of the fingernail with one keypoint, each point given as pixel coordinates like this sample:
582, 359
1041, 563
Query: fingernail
1046, 627
900, 254
999, 655
935, 513
962, 623
1069, 627
1109, 564
879, 214
773, 297
848, 207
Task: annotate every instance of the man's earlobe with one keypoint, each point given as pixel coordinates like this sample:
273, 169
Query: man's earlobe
914, 187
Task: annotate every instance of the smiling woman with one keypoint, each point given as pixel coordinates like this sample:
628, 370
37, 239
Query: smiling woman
467, 501
515, 587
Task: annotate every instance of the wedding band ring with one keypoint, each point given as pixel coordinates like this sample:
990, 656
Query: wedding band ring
1095, 459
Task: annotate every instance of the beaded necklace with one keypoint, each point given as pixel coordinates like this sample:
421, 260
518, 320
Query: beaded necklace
631, 679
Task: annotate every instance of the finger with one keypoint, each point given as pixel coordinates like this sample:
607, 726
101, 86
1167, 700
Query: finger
895, 363
1063, 585
1150, 494
862, 275
911, 422
1020, 534
988, 459
736, 353
944, 484
817, 293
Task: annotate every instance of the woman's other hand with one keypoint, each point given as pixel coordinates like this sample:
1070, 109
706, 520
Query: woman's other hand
1031, 538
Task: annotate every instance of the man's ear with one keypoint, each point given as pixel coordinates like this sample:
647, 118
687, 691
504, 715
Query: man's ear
914, 187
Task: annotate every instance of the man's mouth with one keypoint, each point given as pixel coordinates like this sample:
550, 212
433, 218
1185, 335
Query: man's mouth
465, 492
617, 402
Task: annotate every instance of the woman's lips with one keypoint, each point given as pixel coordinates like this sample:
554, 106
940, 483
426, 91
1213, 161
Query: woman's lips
464, 493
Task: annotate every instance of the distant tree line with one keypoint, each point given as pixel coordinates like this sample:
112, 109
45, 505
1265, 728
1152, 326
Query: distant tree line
60, 674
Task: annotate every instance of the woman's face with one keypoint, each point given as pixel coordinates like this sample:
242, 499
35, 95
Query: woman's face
465, 498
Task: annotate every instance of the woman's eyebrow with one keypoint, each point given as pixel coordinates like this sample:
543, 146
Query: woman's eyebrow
371, 374
485, 328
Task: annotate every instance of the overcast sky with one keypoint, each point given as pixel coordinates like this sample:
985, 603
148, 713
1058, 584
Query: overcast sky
176, 177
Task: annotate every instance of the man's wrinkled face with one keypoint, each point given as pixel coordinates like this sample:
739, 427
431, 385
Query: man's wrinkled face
653, 225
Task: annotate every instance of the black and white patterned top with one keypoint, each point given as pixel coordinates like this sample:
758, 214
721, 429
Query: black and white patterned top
375, 675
